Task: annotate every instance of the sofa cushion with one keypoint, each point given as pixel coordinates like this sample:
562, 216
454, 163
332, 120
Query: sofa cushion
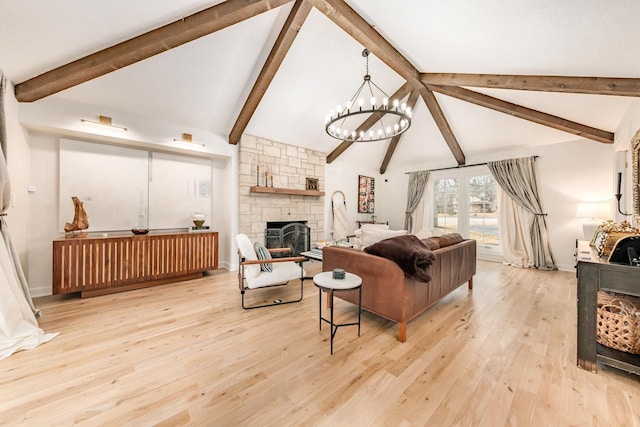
409, 252
448, 239
432, 244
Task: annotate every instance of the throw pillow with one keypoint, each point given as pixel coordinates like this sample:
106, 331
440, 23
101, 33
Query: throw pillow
448, 239
378, 226
431, 243
263, 253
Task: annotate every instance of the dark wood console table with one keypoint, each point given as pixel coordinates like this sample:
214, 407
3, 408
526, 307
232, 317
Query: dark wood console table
360, 223
597, 274
97, 265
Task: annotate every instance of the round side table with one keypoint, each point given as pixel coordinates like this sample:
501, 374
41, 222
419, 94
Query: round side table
325, 282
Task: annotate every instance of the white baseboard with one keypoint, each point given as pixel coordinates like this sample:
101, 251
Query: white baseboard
41, 291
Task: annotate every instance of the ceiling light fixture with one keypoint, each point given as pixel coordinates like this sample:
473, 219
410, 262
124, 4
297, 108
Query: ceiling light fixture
188, 138
104, 121
340, 123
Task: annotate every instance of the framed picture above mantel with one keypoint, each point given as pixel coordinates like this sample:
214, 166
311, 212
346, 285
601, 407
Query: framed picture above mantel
366, 194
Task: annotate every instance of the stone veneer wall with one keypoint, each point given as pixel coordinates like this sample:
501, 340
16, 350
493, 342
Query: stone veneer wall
290, 166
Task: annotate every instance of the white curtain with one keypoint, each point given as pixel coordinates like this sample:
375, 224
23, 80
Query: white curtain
517, 179
18, 325
415, 192
514, 223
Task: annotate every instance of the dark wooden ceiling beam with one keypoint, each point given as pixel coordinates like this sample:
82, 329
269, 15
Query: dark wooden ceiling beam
564, 84
441, 121
525, 113
144, 46
281, 47
357, 27
393, 144
368, 123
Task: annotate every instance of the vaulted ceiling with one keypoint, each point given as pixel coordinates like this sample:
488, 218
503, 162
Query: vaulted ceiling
484, 76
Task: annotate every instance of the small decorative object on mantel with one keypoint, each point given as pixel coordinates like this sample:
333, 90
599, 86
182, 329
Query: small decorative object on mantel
312, 184
80, 221
609, 232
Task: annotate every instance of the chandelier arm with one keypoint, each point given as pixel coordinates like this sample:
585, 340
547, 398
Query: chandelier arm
378, 87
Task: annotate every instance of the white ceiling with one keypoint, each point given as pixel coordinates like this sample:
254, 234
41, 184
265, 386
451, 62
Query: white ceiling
203, 84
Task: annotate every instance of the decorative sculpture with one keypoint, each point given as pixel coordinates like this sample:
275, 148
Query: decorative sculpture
80, 221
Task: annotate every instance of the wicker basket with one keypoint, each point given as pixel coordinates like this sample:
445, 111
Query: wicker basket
618, 323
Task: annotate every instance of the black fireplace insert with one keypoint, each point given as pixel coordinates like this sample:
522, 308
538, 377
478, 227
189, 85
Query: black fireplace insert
295, 235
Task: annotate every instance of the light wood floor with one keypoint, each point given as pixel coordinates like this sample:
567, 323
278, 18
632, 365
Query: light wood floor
187, 354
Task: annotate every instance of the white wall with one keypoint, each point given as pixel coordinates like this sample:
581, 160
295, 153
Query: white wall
627, 128
48, 122
18, 166
342, 174
568, 173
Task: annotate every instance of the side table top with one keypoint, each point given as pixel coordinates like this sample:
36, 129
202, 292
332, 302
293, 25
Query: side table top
325, 280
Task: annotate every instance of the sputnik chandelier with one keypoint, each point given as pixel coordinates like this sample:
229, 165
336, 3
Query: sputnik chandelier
394, 118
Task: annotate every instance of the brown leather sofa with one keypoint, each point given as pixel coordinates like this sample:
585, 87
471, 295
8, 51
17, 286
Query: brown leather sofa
387, 292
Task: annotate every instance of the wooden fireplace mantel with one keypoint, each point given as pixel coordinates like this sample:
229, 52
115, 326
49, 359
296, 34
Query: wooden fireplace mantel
289, 191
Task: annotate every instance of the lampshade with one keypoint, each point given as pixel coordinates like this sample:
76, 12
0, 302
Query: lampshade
596, 210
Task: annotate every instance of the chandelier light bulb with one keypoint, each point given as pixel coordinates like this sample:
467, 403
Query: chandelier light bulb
360, 103
349, 105
385, 102
353, 134
370, 134
332, 113
403, 106
408, 110
379, 132
373, 101
361, 134
395, 103
339, 109
388, 130
396, 127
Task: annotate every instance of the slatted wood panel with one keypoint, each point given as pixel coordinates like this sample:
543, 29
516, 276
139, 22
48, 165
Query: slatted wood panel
99, 263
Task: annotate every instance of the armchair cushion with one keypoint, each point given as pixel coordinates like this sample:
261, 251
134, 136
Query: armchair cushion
247, 252
282, 272
263, 253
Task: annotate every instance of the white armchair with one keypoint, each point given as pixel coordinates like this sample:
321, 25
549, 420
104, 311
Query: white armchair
261, 271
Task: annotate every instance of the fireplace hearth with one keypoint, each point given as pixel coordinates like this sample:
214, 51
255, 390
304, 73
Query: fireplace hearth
295, 235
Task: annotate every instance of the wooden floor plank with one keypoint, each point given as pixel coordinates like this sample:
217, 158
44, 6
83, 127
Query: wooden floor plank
187, 354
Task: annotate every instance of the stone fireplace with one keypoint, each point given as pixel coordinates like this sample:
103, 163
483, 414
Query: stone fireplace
290, 166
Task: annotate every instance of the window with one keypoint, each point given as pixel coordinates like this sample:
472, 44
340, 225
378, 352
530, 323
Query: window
465, 201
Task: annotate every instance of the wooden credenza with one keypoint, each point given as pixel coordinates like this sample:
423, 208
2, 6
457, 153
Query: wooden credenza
596, 274
98, 265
